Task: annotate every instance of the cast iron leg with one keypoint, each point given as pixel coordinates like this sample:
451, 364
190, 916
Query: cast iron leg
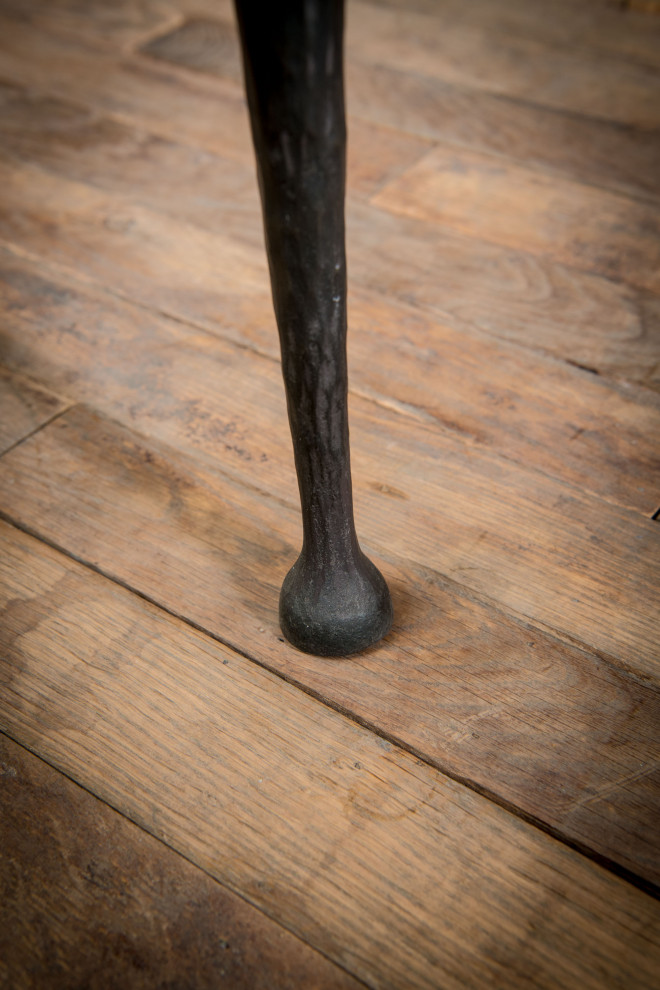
334, 601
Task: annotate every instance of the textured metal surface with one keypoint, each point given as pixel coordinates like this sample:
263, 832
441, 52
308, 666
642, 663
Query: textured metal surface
334, 601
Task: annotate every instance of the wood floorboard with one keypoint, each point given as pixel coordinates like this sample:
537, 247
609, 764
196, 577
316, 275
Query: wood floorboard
347, 841
475, 801
218, 277
494, 700
580, 428
25, 406
569, 78
517, 543
130, 911
584, 228
596, 152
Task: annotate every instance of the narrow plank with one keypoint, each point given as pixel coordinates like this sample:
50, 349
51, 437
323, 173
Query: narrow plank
496, 59
149, 714
484, 696
483, 197
90, 899
25, 406
578, 428
599, 152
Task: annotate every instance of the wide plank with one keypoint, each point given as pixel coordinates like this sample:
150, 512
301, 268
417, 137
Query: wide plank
345, 839
489, 698
89, 899
594, 434
521, 208
25, 406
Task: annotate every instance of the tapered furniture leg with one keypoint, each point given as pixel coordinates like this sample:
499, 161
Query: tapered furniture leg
334, 601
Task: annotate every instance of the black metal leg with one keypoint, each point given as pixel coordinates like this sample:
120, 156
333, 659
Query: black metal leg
334, 601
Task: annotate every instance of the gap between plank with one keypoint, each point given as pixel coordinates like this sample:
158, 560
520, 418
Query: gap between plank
41, 426
641, 883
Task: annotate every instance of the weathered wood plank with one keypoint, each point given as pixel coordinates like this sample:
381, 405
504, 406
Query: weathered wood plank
25, 406
206, 111
489, 698
592, 150
218, 277
166, 106
576, 427
607, 26
523, 526
443, 45
212, 754
574, 224
603, 326
90, 899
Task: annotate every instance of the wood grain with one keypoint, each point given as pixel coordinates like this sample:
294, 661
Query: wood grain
572, 223
152, 716
594, 150
25, 406
599, 152
606, 26
608, 328
578, 428
218, 277
523, 526
503, 465
90, 899
498, 59
471, 689
165, 110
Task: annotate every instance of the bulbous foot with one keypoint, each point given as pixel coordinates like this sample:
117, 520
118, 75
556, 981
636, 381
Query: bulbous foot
337, 613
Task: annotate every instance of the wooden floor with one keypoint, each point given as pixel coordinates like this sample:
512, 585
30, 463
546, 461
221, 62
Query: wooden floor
187, 801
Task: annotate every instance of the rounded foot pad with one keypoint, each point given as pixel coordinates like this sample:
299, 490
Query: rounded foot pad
337, 615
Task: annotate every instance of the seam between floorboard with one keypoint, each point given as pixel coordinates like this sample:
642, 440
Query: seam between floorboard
187, 859
636, 880
37, 429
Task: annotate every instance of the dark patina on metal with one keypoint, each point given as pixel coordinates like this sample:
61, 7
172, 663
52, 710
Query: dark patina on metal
334, 601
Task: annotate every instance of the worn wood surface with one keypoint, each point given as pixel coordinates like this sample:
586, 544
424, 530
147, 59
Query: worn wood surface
349, 840
516, 206
25, 406
492, 700
503, 191
90, 899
